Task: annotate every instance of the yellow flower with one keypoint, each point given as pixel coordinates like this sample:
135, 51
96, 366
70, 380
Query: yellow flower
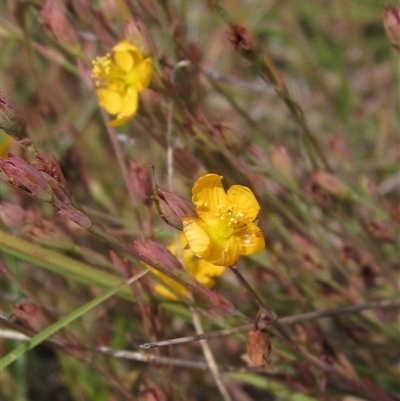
5, 143
120, 80
201, 270
224, 228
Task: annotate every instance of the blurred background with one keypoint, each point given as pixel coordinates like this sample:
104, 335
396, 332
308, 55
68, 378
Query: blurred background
298, 101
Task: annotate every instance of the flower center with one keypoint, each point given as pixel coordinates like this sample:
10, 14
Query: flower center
105, 71
229, 220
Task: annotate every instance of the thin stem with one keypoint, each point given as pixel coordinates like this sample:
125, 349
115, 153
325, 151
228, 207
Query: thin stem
290, 320
22, 287
269, 313
383, 304
122, 166
212, 334
209, 357
126, 354
170, 122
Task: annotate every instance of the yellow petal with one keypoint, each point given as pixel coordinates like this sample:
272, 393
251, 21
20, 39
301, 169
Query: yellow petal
208, 191
127, 56
197, 238
5, 143
206, 281
198, 268
124, 60
121, 119
201, 270
246, 201
208, 195
206, 269
110, 100
129, 103
224, 252
144, 72
124, 45
166, 292
128, 108
251, 241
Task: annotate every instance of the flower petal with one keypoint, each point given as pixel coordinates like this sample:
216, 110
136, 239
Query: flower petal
129, 103
110, 100
224, 252
124, 45
206, 269
217, 251
246, 201
121, 119
5, 142
198, 268
196, 236
208, 191
251, 240
208, 195
126, 55
164, 291
144, 72
127, 108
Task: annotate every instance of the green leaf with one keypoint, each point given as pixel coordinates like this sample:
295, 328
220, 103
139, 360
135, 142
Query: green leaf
49, 331
60, 264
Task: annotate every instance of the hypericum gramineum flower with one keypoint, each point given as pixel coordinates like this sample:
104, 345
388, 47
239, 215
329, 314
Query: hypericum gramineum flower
5, 142
201, 270
224, 228
119, 80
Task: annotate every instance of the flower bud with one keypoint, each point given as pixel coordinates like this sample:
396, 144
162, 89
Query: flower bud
242, 40
340, 151
257, 154
48, 234
12, 216
331, 184
25, 177
158, 255
76, 216
391, 22
250, 48
52, 169
137, 34
30, 315
141, 181
283, 164
171, 207
36, 318
59, 28
52, 172
12, 120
